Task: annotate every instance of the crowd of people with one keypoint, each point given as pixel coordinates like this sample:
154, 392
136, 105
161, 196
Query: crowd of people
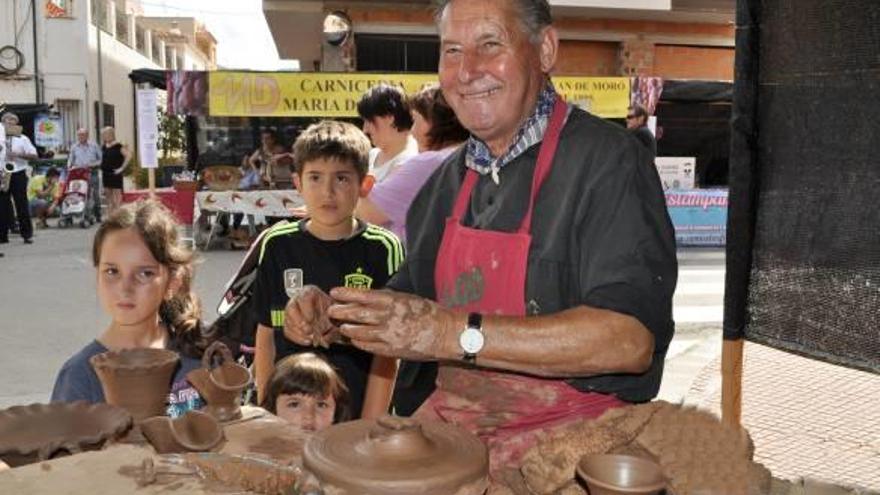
37, 196
535, 290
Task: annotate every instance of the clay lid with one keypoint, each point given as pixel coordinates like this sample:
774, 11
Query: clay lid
394, 455
195, 431
36, 432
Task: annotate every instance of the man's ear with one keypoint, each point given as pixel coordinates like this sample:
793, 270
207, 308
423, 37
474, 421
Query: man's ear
367, 185
297, 181
549, 48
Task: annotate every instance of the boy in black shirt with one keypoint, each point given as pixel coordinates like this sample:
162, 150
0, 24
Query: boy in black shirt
329, 248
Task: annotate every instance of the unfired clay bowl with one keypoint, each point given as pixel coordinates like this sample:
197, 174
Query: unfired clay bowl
42, 431
136, 379
195, 431
220, 386
612, 474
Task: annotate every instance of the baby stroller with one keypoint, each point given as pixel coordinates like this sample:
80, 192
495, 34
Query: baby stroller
77, 202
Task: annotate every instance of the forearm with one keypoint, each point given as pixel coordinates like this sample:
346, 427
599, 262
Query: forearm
578, 342
264, 360
368, 211
380, 387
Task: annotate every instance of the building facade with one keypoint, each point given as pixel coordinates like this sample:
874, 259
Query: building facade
61, 70
673, 39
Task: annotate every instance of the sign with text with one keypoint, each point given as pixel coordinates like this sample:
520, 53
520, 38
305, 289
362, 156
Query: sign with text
676, 172
699, 216
274, 94
148, 128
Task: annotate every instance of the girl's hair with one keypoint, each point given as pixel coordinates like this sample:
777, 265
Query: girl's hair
308, 374
158, 229
445, 130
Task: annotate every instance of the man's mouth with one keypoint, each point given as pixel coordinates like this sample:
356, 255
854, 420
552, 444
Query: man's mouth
482, 94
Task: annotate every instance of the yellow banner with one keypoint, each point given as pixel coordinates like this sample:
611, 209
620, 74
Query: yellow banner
302, 94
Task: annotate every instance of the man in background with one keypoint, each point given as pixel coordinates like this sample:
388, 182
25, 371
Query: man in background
637, 123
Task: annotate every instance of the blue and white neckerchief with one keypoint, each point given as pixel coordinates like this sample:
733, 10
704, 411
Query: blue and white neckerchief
479, 158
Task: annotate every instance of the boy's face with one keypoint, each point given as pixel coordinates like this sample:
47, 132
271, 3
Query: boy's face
380, 130
330, 189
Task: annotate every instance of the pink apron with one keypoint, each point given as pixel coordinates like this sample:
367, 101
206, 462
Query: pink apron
485, 271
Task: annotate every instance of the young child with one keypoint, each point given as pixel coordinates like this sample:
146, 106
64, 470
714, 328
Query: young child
329, 248
307, 392
144, 283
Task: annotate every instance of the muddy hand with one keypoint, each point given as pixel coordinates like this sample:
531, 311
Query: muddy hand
305, 318
395, 324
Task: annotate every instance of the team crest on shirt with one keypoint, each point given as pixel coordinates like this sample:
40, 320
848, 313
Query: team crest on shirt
293, 281
358, 280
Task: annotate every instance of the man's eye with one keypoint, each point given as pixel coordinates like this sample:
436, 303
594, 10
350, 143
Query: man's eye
342, 178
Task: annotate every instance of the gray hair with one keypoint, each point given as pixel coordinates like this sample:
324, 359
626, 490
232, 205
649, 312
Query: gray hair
534, 15
8, 116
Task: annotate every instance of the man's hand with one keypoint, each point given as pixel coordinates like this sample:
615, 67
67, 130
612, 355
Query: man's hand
305, 318
396, 324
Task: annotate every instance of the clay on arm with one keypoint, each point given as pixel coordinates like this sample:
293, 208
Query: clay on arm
264, 360
380, 387
581, 341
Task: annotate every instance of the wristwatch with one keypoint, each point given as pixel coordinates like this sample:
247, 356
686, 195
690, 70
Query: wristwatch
471, 338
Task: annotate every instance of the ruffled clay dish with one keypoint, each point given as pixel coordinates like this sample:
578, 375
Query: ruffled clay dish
136, 379
195, 431
612, 474
39, 432
397, 456
220, 386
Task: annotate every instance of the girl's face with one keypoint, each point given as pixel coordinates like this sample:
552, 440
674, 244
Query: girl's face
307, 412
131, 283
420, 130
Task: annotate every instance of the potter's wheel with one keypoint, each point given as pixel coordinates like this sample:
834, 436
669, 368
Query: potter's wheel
396, 456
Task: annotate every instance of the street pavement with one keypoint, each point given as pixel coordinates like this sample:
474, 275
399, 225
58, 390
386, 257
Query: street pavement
806, 418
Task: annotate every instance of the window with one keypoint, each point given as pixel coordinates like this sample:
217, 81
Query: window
99, 14
71, 120
122, 27
390, 53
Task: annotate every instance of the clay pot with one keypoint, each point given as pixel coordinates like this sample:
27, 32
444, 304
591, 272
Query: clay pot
220, 386
395, 456
138, 380
612, 474
39, 432
195, 431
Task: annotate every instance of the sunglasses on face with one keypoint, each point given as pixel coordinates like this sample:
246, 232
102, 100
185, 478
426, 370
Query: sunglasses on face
631, 117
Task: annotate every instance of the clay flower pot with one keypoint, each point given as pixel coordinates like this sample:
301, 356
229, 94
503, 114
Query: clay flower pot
195, 431
612, 474
397, 456
221, 386
138, 380
39, 432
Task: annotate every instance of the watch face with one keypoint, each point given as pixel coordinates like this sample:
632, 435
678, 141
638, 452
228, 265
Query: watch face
471, 340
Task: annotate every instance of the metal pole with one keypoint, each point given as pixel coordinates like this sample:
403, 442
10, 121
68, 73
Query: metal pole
37, 91
100, 110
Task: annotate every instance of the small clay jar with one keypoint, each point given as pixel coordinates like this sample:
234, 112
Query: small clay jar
397, 456
195, 431
221, 386
138, 380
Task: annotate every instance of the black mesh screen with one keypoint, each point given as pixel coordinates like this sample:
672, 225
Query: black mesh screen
804, 226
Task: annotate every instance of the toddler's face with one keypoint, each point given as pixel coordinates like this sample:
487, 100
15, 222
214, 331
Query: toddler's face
307, 412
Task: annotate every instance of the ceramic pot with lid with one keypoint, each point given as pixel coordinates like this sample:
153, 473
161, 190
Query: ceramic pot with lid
396, 456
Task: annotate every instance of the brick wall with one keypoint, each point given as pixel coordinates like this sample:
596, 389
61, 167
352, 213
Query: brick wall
592, 58
693, 62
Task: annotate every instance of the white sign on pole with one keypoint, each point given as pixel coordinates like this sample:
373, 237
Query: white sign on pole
676, 172
148, 128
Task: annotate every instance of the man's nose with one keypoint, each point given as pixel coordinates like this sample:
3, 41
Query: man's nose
470, 67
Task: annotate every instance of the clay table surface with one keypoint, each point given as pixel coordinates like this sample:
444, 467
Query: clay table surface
109, 471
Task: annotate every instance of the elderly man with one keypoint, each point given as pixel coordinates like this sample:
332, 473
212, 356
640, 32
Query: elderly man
541, 262
19, 151
86, 154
